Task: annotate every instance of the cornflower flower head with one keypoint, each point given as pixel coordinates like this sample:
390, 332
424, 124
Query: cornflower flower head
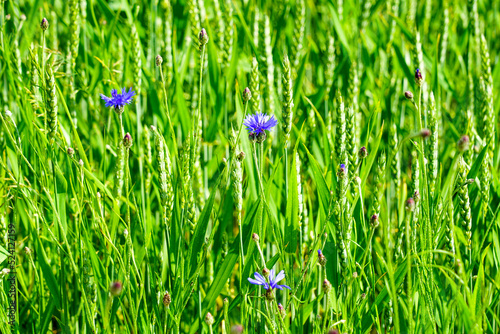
273, 280
118, 101
257, 124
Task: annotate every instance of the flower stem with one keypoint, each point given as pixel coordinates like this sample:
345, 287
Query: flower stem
167, 111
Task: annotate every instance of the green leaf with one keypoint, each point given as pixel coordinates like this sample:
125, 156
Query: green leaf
479, 288
403, 27
321, 186
474, 170
403, 64
201, 230
338, 28
292, 209
3, 254
371, 156
48, 275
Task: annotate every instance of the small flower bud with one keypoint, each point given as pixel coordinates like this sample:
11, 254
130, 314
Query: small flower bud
425, 133
463, 143
269, 295
80, 162
333, 331
355, 274
203, 38
27, 250
7, 17
252, 137
327, 286
363, 153
261, 137
321, 258
266, 272
342, 172
167, 299
282, 310
418, 77
158, 60
71, 152
416, 196
374, 222
255, 237
119, 109
125, 233
237, 329
409, 95
22, 17
240, 156
209, 319
127, 140
247, 95
410, 204
44, 24
8, 113
116, 288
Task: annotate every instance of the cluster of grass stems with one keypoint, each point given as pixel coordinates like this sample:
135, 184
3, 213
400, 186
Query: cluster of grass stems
151, 219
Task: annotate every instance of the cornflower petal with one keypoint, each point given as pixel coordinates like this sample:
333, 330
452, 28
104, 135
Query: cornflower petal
280, 276
259, 123
283, 286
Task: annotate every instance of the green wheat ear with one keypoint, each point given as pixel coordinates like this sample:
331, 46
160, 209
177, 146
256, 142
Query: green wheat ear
267, 68
167, 39
287, 109
340, 132
255, 86
228, 34
329, 66
136, 60
433, 145
164, 170
298, 33
379, 184
464, 209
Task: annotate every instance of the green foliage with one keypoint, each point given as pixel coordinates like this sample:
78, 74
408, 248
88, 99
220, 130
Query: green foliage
114, 235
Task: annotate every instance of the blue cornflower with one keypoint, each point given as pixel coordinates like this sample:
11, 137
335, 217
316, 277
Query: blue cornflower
118, 101
257, 125
273, 280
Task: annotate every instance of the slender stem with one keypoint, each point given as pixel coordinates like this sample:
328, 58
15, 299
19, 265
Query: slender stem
165, 322
241, 124
202, 58
409, 260
122, 131
42, 79
241, 241
167, 111
262, 196
127, 186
